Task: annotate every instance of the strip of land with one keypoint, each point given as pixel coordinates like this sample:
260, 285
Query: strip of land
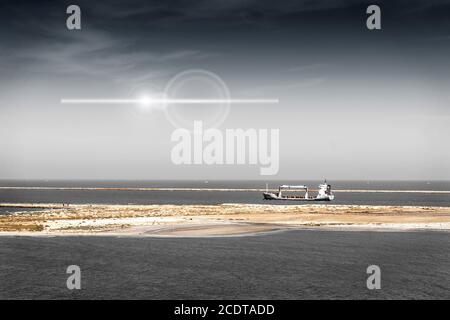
218, 189
212, 220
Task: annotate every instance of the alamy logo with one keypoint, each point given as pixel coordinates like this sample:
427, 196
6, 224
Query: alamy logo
374, 280
374, 20
73, 21
235, 146
74, 280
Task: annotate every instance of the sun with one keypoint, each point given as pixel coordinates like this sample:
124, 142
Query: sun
145, 101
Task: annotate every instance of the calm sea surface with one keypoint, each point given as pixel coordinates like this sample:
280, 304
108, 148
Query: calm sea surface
284, 265
217, 197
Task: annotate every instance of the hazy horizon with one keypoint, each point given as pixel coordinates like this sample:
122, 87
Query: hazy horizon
220, 180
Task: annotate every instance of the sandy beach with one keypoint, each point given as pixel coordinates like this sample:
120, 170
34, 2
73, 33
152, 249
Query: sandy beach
212, 220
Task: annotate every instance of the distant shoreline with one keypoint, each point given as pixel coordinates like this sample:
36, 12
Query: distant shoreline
213, 220
218, 189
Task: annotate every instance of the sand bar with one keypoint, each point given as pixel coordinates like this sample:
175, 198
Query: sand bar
213, 220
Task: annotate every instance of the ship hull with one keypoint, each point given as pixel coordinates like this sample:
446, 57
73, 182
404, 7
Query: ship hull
273, 196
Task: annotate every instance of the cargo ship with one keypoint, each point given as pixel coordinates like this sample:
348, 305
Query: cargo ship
285, 193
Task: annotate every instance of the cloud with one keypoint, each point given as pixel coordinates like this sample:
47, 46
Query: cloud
285, 88
96, 54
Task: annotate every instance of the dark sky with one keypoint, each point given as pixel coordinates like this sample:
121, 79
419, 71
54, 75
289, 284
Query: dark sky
354, 103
